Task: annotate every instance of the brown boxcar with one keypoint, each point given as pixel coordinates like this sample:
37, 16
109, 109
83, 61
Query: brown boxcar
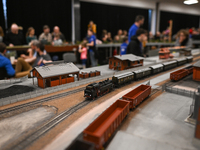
189, 69
97, 73
137, 95
101, 129
84, 75
179, 74
92, 74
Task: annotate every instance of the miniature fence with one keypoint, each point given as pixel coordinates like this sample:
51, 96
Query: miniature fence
178, 91
12, 81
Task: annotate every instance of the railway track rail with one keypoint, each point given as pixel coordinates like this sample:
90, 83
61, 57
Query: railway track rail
55, 121
41, 101
49, 125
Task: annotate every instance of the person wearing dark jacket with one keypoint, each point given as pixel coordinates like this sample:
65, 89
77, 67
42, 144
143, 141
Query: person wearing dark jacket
135, 45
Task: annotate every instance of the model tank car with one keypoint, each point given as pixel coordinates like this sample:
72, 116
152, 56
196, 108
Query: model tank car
95, 90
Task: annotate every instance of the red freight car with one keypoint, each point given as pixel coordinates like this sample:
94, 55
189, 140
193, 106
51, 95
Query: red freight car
137, 95
101, 129
92, 74
84, 75
97, 73
189, 69
177, 75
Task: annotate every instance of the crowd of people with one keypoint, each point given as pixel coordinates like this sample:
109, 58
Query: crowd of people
15, 36
132, 43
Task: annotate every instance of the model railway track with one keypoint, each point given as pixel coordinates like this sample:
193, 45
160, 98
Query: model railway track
55, 121
49, 125
41, 100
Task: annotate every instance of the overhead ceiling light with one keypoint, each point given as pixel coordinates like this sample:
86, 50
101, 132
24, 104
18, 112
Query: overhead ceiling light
190, 2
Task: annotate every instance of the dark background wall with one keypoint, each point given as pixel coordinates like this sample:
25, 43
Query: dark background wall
2, 21
180, 21
37, 13
111, 18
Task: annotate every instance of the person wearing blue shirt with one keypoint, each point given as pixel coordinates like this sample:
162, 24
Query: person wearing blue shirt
22, 68
123, 47
5, 63
139, 21
91, 43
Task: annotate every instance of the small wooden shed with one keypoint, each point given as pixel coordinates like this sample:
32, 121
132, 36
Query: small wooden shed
49, 76
196, 71
122, 62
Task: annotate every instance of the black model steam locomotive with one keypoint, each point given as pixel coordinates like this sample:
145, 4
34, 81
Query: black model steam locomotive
95, 90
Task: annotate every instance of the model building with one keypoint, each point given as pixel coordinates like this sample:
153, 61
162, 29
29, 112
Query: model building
122, 62
49, 76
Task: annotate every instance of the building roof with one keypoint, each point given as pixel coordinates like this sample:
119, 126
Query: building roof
56, 70
197, 64
129, 57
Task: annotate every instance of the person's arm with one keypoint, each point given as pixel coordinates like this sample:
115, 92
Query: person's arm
189, 43
30, 60
40, 37
9, 69
95, 28
177, 42
90, 44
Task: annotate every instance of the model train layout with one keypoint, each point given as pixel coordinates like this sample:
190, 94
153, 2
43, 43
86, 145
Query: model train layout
95, 90
103, 127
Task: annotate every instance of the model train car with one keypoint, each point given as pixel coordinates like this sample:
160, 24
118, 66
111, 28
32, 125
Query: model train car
95, 90
179, 74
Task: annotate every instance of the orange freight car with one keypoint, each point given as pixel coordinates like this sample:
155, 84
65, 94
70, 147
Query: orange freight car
177, 75
97, 73
84, 75
189, 69
137, 95
92, 74
101, 129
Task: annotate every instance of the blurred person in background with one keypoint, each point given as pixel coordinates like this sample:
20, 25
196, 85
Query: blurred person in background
109, 38
183, 39
124, 45
93, 27
104, 36
120, 35
92, 46
57, 41
135, 46
22, 68
139, 21
56, 30
30, 35
14, 36
45, 37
